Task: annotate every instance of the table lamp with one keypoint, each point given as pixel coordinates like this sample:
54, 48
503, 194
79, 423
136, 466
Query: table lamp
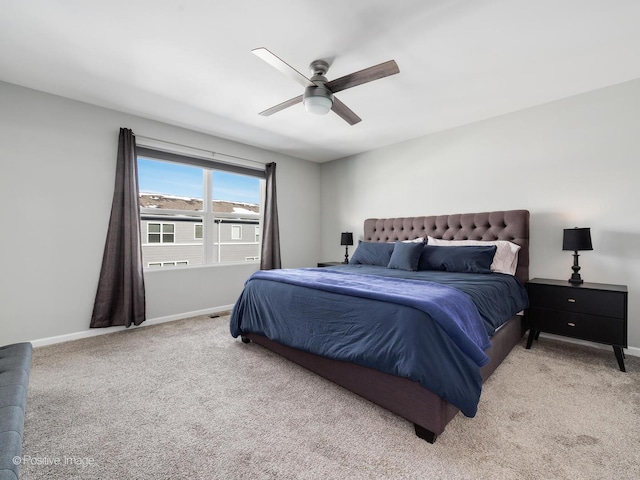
346, 239
576, 239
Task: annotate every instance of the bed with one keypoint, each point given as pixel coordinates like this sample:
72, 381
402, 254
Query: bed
293, 318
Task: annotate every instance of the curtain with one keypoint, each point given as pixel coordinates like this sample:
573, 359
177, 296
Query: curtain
120, 299
270, 253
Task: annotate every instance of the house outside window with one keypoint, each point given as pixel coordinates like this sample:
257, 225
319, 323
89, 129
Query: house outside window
195, 215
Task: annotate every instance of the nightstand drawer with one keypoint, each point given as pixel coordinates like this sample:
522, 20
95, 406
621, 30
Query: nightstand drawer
594, 302
586, 327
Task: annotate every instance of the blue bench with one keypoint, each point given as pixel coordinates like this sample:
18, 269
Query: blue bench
15, 365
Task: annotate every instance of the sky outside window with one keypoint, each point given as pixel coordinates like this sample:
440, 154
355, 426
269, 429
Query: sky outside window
186, 181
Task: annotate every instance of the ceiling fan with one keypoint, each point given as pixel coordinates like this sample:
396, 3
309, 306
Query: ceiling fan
318, 95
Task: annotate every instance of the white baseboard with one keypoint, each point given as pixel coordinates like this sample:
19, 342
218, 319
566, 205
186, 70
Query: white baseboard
102, 331
633, 351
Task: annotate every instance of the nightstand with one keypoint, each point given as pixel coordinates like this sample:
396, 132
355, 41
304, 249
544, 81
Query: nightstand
329, 264
596, 312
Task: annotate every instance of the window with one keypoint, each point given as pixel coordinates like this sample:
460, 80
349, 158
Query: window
160, 233
195, 210
168, 264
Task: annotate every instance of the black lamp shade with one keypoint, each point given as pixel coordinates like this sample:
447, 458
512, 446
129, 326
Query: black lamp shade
577, 239
346, 238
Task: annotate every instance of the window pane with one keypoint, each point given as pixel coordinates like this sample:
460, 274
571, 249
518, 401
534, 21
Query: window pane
237, 194
167, 228
169, 185
154, 238
154, 228
236, 206
197, 233
167, 238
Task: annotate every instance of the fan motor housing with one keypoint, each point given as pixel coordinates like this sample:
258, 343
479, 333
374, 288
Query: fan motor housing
317, 91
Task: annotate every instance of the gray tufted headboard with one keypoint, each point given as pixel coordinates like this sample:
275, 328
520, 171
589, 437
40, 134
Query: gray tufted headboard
511, 225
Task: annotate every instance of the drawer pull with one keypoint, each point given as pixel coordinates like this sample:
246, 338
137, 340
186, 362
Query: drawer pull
571, 324
571, 300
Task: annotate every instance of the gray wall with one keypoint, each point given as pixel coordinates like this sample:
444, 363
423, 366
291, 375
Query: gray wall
574, 162
57, 167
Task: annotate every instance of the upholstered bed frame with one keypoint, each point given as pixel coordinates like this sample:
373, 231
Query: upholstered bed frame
427, 411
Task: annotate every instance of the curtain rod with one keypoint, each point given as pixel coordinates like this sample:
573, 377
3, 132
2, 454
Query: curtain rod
202, 150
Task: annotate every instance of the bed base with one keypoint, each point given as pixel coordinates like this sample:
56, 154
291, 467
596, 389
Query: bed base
427, 411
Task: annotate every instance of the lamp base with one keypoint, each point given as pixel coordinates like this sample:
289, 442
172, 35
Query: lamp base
575, 277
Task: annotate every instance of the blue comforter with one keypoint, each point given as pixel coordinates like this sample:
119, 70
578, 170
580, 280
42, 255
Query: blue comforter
497, 296
417, 329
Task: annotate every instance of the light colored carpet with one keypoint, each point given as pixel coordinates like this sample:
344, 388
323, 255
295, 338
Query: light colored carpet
184, 400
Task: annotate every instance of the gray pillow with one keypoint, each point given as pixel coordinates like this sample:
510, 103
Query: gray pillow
372, 253
405, 256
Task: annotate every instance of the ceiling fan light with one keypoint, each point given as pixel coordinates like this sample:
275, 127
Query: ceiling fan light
318, 99
318, 105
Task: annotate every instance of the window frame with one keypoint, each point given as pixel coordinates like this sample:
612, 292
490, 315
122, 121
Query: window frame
211, 246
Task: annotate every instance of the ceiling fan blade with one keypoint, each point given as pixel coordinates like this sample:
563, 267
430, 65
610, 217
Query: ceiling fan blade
345, 112
363, 76
282, 106
284, 67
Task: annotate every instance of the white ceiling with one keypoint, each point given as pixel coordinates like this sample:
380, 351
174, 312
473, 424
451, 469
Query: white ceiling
189, 62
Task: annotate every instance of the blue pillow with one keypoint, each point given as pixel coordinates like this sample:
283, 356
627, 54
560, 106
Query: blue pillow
465, 259
405, 256
372, 253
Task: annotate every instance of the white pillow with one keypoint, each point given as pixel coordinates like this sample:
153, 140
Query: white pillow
414, 240
505, 259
